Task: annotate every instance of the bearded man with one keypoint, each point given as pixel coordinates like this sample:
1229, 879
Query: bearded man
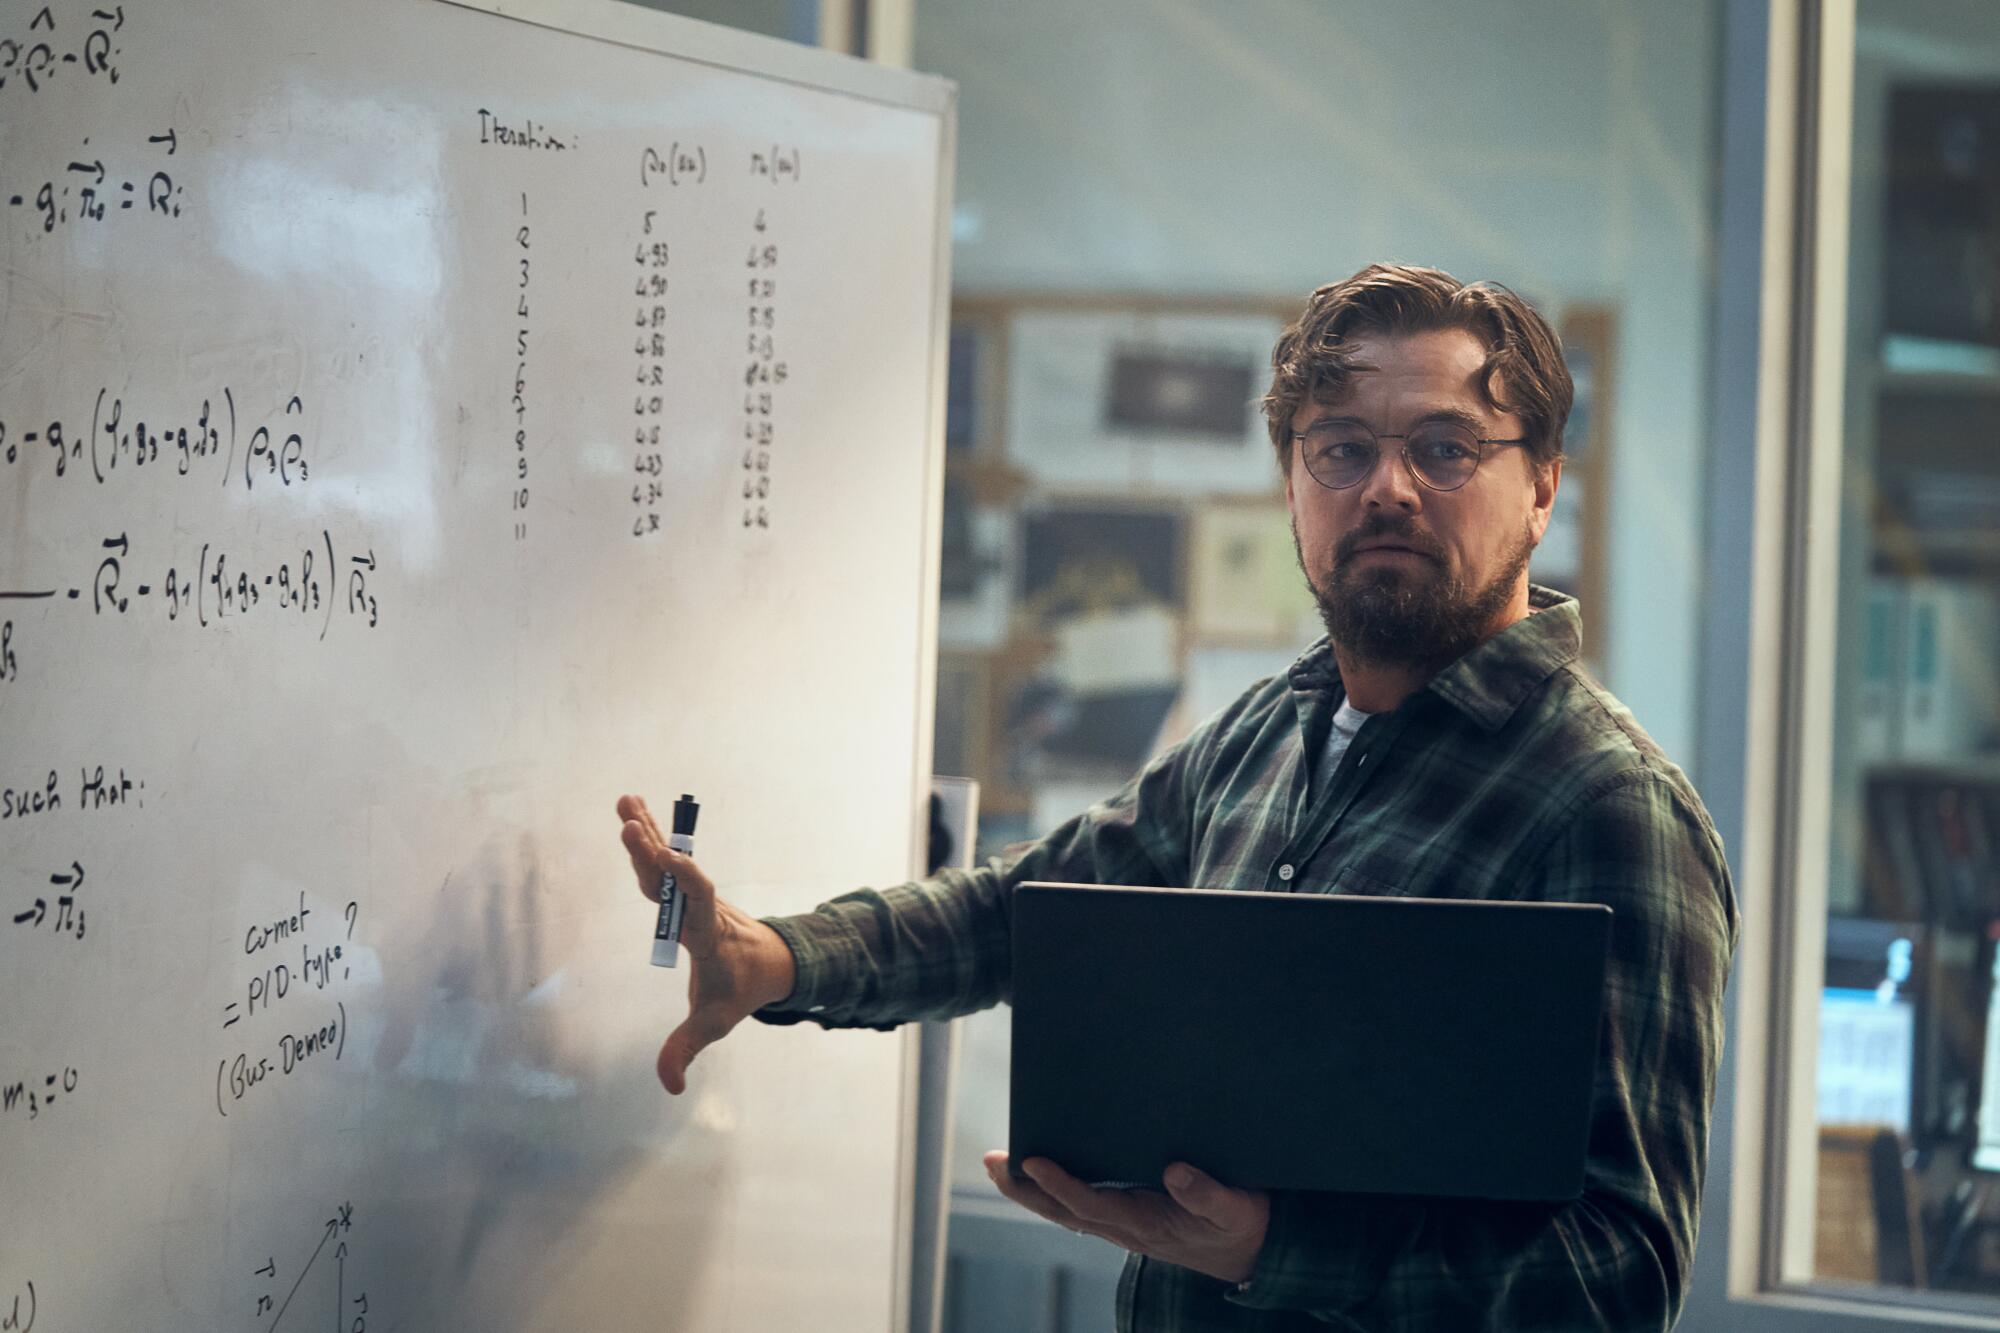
1443, 740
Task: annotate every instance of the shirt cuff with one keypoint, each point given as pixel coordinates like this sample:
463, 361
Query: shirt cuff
1324, 1251
822, 943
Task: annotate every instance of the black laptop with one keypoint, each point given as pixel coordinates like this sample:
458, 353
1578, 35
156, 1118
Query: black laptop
1306, 1041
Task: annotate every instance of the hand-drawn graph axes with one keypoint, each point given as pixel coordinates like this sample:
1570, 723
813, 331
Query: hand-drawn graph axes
339, 1222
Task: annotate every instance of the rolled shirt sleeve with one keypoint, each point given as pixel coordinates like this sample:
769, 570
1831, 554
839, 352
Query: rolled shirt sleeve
941, 947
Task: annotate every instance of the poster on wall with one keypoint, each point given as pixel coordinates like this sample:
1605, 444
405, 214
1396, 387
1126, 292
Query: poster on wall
1140, 401
1943, 243
1574, 554
974, 559
959, 746
1101, 593
1244, 581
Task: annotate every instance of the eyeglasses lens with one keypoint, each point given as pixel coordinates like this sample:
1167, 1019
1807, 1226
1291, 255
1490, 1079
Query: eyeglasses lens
1444, 456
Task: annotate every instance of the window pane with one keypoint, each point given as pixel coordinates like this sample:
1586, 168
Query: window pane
1908, 1078
795, 19
1145, 194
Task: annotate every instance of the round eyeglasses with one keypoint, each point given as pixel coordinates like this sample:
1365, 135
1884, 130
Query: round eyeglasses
1442, 455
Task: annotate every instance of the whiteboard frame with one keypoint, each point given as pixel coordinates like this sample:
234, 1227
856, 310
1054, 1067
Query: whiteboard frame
634, 25
628, 24
913, 1214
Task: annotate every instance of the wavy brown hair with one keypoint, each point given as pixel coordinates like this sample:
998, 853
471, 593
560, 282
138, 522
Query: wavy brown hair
1313, 361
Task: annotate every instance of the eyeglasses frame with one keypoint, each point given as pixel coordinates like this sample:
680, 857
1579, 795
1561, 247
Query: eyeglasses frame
1404, 452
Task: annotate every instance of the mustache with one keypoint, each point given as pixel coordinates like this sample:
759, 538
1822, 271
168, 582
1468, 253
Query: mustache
1393, 527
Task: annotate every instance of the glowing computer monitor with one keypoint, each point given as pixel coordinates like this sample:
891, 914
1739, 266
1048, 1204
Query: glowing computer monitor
1986, 1146
1868, 1025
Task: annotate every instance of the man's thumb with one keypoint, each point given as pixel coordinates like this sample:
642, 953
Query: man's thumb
676, 1054
1207, 1198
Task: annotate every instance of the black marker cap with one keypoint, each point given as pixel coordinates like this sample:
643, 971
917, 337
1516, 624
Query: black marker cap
685, 813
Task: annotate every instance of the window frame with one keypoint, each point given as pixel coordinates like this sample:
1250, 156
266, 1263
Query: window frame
1776, 781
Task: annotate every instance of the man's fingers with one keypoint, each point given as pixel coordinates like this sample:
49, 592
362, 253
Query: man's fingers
1102, 1207
688, 876
634, 808
1042, 1203
699, 931
1028, 1194
645, 864
653, 858
642, 843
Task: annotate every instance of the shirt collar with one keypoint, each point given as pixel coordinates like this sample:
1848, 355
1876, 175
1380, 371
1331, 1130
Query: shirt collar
1494, 679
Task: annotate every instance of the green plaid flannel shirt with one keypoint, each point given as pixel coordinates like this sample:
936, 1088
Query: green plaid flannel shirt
1511, 775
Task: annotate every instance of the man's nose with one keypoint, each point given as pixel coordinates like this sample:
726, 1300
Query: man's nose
1390, 485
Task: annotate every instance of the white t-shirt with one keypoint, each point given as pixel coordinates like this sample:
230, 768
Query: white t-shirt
1347, 721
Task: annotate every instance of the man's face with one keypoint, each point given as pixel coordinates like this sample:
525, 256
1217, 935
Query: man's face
1406, 575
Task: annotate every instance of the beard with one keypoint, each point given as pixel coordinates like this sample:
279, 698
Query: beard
1408, 614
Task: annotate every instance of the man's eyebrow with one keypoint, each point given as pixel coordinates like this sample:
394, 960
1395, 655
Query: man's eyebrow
1455, 415
1335, 419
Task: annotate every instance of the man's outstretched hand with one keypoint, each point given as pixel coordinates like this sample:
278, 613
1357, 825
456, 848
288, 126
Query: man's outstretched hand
736, 963
1198, 1223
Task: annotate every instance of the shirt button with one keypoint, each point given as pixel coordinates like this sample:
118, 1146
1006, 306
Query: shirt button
1285, 873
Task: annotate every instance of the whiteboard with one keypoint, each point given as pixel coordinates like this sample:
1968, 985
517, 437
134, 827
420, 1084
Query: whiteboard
419, 425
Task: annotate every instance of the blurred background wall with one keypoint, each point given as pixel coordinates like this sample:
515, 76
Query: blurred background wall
1257, 150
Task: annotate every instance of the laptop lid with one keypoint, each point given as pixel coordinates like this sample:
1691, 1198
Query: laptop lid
1306, 1041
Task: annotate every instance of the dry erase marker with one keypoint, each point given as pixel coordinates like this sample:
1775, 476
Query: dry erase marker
667, 933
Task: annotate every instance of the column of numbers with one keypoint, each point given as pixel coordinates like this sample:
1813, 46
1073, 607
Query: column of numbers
763, 373
649, 347
523, 240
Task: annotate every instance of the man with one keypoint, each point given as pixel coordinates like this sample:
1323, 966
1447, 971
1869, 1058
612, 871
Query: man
1441, 742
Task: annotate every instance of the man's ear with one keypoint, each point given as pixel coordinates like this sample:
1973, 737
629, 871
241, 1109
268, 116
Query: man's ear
1548, 479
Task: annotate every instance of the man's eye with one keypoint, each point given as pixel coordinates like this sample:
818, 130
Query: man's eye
1446, 450
1337, 442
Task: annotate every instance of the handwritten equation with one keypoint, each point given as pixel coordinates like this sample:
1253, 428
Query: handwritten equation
35, 56
123, 438
316, 585
88, 190
32, 1098
66, 889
